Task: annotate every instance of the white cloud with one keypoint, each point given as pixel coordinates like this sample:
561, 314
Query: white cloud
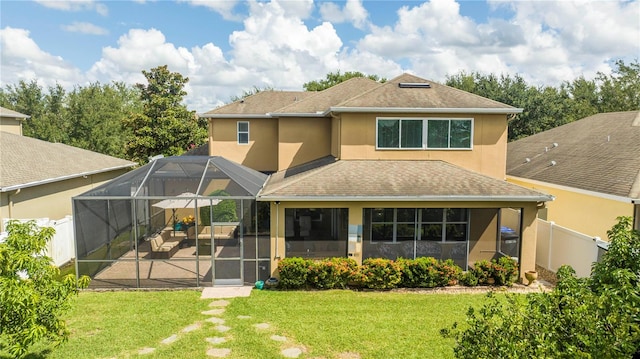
85, 28
224, 8
75, 5
22, 59
353, 12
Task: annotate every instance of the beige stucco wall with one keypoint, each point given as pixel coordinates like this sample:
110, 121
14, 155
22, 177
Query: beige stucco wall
483, 226
261, 153
51, 200
302, 140
10, 125
592, 215
488, 156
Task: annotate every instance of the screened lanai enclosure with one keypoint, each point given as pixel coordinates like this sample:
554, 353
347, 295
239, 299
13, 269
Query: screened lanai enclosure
187, 221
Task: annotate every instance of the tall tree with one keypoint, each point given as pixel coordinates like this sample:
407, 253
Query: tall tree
334, 78
165, 126
620, 91
97, 114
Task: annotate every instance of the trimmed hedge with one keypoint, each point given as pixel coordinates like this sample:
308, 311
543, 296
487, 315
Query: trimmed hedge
379, 273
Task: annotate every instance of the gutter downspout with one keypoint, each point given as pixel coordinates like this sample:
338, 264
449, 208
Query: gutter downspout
10, 198
277, 257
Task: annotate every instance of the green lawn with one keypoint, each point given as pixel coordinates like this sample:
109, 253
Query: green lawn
328, 324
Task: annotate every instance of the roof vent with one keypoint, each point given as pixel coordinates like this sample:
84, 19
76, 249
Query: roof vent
555, 144
414, 85
553, 163
527, 160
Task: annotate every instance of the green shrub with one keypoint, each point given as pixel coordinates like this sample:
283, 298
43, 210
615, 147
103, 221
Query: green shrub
293, 272
331, 273
505, 271
448, 273
225, 211
469, 279
378, 273
422, 272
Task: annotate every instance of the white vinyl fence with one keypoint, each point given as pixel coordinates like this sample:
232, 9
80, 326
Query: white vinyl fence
61, 247
557, 246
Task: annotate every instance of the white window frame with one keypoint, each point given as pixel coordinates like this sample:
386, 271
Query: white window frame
238, 132
425, 133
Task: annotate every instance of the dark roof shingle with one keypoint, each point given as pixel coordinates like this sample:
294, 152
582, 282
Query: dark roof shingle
599, 153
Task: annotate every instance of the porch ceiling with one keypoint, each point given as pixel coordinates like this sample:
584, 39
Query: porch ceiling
371, 180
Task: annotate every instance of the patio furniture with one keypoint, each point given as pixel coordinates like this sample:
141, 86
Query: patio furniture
164, 245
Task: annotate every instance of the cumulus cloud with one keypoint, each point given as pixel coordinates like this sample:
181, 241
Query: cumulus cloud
75, 5
85, 28
353, 11
283, 44
23, 60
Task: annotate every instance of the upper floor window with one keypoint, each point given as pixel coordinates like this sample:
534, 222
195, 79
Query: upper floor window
428, 133
243, 132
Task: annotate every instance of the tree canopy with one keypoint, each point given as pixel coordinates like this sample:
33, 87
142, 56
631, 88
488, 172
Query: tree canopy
165, 126
334, 78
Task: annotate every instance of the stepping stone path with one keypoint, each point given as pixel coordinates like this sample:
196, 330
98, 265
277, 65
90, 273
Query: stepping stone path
278, 338
262, 325
216, 340
191, 328
219, 303
215, 320
291, 352
170, 339
144, 351
222, 328
218, 352
244, 317
214, 312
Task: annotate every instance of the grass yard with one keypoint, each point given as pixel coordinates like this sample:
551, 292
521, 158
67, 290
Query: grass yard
327, 324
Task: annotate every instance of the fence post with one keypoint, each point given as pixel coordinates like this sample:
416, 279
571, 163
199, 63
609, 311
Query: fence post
551, 224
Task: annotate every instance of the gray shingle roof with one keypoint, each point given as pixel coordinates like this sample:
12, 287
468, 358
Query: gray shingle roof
392, 180
5, 112
600, 153
261, 103
363, 94
26, 161
437, 96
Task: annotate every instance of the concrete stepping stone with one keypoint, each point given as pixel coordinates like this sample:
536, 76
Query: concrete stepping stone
279, 338
144, 351
218, 352
291, 352
213, 312
244, 317
170, 339
192, 327
215, 320
216, 340
222, 328
262, 325
219, 303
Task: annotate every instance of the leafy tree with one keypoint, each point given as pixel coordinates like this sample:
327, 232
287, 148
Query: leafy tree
31, 299
620, 91
165, 126
251, 92
97, 114
596, 317
334, 78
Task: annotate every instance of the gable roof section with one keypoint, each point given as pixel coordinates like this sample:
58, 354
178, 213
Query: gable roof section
5, 112
390, 97
371, 180
27, 162
259, 104
599, 153
363, 95
323, 100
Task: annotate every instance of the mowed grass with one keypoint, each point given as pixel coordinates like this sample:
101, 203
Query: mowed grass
326, 324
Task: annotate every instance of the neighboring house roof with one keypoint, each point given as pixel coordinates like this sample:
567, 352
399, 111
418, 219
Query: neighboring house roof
26, 162
387, 180
5, 112
599, 153
260, 104
403, 94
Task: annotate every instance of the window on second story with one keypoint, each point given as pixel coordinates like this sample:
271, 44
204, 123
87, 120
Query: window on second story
431, 133
243, 132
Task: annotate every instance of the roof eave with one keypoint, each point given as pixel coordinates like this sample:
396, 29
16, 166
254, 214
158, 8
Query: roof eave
63, 178
300, 114
480, 110
236, 116
542, 198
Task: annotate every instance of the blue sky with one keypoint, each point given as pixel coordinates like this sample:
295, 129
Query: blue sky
227, 47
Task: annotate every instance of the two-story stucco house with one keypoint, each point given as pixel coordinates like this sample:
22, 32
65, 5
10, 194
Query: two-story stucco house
405, 168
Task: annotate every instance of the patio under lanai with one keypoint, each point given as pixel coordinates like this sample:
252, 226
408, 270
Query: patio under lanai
187, 221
